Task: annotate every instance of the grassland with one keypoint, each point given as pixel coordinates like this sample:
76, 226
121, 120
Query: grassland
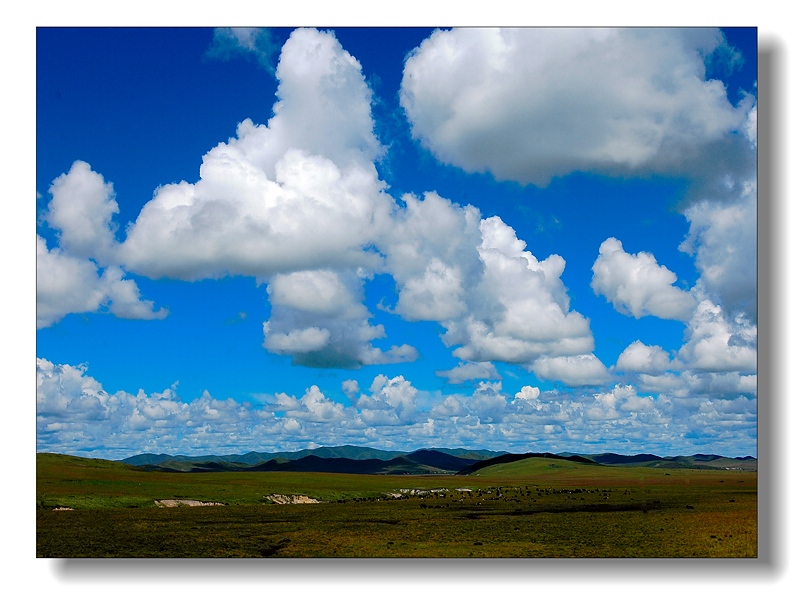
531, 508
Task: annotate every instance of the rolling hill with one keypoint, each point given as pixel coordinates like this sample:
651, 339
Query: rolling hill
364, 460
341, 459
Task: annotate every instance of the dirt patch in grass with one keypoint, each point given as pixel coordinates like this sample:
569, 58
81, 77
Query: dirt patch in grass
294, 499
176, 503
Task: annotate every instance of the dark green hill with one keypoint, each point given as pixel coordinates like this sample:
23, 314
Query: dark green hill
440, 460
255, 458
469, 454
619, 459
364, 460
399, 465
351, 452
545, 466
324, 460
509, 458
147, 459
696, 461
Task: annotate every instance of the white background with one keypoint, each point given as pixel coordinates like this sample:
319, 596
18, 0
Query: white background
771, 575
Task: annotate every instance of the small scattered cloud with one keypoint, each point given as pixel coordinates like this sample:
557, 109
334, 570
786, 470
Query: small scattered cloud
470, 371
578, 370
719, 344
391, 402
640, 358
487, 402
312, 406
527, 393
81, 209
351, 388
247, 42
75, 414
319, 318
637, 285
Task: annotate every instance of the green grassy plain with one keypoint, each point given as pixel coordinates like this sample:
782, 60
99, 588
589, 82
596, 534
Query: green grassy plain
531, 508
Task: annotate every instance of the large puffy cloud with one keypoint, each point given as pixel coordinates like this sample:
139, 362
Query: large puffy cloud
519, 310
296, 203
495, 299
66, 284
237, 221
431, 251
530, 104
637, 285
299, 193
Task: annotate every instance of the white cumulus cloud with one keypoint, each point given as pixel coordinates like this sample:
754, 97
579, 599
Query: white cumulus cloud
469, 371
319, 318
312, 406
719, 344
723, 239
637, 285
298, 193
76, 415
527, 393
431, 251
640, 358
530, 104
66, 284
579, 370
82, 210
520, 309
391, 401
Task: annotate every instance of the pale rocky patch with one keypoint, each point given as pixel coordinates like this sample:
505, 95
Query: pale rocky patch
293, 499
176, 503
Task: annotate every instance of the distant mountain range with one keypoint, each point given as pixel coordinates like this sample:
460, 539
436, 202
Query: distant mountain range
361, 460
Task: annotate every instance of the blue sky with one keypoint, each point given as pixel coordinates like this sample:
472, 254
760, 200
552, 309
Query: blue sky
400, 238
